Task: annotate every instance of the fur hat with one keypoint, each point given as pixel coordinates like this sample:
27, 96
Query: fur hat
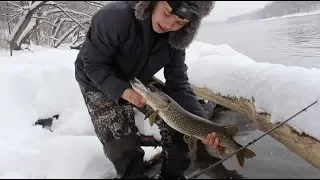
182, 38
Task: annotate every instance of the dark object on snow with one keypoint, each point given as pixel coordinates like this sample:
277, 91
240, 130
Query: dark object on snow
46, 123
148, 141
77, 47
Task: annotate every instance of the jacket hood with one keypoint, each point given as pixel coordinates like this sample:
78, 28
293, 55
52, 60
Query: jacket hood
182, 38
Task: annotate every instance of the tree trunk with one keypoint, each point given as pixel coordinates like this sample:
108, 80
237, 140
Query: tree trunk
19, 30
9, 26
26, 38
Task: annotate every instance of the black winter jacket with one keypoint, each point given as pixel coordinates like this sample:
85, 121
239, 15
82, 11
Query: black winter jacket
119, 47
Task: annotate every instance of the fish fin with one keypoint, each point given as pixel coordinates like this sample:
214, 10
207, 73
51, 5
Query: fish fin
244, 153
151, 122
186, 138
248, 153
152, 118
192, 143
148, 114
231, 130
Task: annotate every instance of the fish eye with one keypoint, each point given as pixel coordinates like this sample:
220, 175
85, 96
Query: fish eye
152, 88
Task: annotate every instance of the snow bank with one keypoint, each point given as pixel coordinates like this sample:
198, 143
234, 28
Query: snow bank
41, 84
278, 90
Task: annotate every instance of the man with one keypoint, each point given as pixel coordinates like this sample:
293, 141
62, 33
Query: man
137, 39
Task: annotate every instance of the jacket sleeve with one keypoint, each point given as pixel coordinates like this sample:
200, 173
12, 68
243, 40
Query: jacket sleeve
109, 28
177, 84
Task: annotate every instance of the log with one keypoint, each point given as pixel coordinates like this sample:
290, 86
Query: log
303, 145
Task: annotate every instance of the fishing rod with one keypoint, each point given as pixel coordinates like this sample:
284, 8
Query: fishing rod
252, 142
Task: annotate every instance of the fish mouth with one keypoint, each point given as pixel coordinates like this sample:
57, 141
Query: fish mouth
138, 86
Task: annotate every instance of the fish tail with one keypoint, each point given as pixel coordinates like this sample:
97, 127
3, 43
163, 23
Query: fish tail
244, 153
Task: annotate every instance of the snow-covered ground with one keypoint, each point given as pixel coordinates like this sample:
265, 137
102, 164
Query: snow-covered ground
41, 84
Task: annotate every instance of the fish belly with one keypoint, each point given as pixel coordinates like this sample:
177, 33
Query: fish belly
186, 125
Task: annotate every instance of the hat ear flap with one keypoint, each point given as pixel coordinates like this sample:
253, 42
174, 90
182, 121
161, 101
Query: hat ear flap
182, 39
143, 9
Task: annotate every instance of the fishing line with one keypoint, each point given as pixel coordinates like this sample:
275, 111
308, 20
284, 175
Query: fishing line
252, 142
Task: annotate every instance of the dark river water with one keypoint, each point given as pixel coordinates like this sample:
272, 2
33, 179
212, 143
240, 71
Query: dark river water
272, 160
291, 41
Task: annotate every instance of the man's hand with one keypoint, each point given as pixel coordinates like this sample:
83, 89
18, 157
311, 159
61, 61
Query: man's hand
213, 141
133, 97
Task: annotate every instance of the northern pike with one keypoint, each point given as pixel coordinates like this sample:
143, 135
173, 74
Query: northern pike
192, 126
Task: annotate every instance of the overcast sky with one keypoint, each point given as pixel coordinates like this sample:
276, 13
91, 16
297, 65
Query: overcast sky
225, 9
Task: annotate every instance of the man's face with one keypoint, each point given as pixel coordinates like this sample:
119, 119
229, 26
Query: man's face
162, 19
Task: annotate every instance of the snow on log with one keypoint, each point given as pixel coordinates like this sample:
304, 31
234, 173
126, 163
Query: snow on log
265, 93
303, 145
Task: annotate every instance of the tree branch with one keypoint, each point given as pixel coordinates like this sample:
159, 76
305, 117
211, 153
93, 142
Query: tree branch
51, 38
35, 5
62, 10
64, 36
96, 4
66, 10
16, 5
38, 17
14, 16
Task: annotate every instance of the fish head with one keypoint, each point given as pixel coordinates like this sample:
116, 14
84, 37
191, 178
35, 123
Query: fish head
139, 87
154, 97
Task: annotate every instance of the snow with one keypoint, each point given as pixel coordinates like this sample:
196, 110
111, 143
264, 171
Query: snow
279, 90
145, 128
42, 84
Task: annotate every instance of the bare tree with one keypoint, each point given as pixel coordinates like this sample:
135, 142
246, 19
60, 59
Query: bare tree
25, 24
6, 17
48, 22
